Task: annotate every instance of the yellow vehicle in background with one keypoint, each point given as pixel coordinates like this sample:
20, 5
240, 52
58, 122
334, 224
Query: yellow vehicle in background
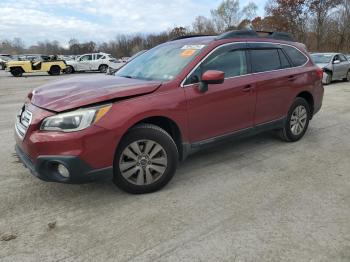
50, 65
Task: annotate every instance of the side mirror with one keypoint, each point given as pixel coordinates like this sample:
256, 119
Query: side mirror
336, 62
211, 77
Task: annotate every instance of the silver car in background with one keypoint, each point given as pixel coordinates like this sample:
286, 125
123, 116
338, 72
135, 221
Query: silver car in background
335, 66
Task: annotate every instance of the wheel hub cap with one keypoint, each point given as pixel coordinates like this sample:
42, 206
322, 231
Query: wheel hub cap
298, 120
143, 162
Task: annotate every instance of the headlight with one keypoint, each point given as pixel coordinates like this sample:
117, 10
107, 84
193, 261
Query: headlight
75, 120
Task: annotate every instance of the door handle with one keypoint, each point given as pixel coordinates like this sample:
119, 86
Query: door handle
247, 88
291, 78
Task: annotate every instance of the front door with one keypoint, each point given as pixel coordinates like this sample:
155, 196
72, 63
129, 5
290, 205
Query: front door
226, 107
84, 63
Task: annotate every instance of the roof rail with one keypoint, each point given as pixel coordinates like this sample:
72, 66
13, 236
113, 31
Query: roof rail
237, 34
187, 36
256, 34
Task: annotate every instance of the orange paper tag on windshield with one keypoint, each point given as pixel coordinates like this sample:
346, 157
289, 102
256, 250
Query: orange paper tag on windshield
188, 52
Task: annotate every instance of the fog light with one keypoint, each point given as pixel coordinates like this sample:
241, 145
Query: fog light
63, 171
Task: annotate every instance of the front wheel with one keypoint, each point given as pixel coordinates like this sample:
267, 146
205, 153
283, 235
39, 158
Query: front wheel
146, 160
297, 121
328, 78
69, 70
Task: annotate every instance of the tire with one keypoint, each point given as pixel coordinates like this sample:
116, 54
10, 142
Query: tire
103, 68
2, 66
17, 72
69, 70
299, 113
143, 148
329, 79
55, 71
347, 78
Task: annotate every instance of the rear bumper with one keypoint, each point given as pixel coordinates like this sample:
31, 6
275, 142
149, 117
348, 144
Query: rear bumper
45, 168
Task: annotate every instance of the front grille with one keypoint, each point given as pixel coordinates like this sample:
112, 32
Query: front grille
23, 122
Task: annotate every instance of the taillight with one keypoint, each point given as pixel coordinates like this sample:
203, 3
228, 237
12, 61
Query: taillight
319, 73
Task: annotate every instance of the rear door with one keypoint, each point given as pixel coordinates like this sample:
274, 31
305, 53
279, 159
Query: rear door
344, 66
337, 67
97, 61
273, 81
225, 107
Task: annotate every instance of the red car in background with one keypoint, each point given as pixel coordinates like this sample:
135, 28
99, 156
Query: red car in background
167, 103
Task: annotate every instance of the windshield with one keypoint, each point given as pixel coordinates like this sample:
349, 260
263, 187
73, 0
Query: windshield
163, 62
321, 58
137, 54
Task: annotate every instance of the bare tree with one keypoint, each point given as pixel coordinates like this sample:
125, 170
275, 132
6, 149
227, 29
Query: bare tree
250, 11
203, 25
343, 22
320, 11
288, 15
227, 15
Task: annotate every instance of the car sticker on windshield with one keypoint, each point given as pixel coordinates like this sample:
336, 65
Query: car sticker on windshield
188, 52
195, 47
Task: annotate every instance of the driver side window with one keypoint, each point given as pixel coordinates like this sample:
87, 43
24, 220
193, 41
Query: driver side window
336, 58
231, 62
86, 58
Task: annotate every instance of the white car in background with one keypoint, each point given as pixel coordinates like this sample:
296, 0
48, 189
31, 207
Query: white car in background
91, 62
113, 69
3, 61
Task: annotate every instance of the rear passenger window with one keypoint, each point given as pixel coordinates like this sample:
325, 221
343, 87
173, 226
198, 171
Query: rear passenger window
284, 60
265, 60
343, 58
297, 58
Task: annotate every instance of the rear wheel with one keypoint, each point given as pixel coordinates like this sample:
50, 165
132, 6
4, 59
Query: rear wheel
297, 121
146, 160
17, 71
347, 78
103, 68
55, 70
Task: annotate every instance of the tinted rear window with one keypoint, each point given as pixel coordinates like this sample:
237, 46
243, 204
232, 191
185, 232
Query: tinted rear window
265, 60
297, 58
284, 60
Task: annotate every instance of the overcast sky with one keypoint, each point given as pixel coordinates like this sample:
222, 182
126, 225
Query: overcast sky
98, 20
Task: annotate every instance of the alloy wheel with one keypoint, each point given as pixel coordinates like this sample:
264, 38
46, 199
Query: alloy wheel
298, 120
143, 162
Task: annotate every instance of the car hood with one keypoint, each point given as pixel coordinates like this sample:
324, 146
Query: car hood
81, 91
322, 65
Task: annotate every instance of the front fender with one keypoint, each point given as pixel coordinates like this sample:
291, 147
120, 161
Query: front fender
125, 114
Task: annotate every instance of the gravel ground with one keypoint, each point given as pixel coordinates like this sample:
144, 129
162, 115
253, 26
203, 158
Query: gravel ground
258, 199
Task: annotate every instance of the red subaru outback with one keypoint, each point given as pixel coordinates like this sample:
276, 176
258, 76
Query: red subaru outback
169, 102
